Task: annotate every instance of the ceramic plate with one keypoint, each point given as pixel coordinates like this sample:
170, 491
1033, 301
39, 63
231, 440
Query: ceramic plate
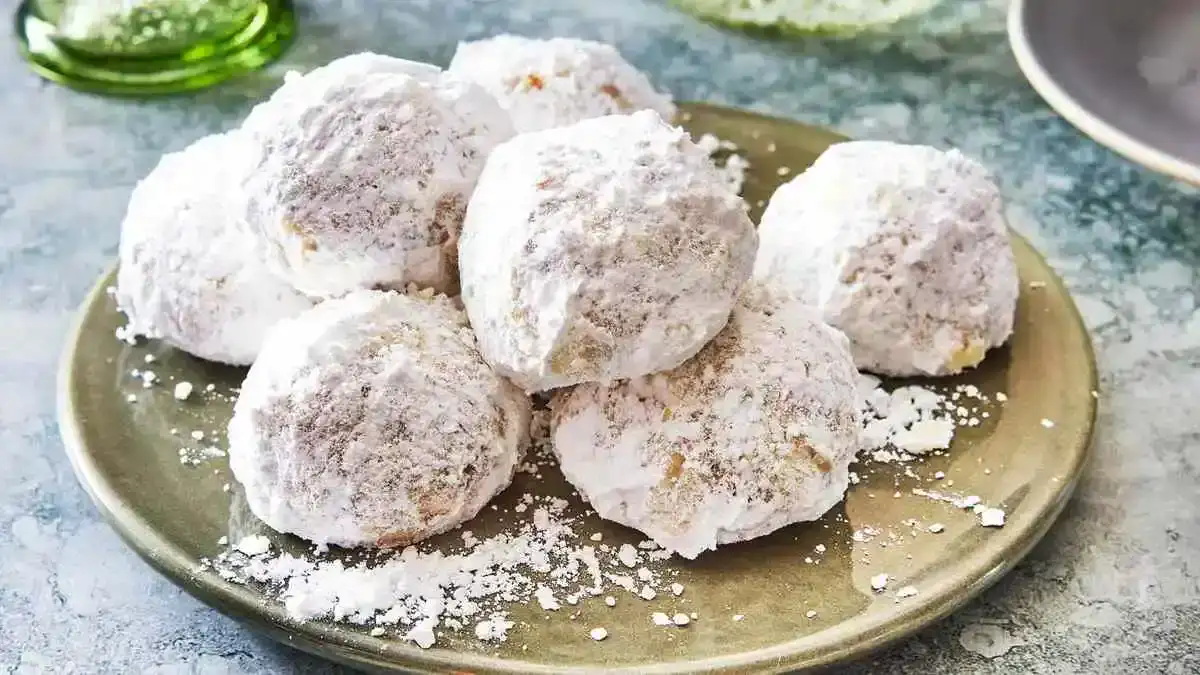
125, 443
1125, 73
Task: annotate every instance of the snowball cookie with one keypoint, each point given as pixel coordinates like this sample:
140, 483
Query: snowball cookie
753, 434
361, 173
187, 275
608, 249
354, 65
902, 247
553, 83
371, 420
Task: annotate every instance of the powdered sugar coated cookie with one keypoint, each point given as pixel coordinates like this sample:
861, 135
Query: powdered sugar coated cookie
557, 82
361, 172
754, 433
187, 276
371, 420
902, 247
608, 249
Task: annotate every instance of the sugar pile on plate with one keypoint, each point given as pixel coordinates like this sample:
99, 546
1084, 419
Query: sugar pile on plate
913, 420
417, 594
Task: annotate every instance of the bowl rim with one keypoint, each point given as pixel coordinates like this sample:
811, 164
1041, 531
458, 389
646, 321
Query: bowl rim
1064, 104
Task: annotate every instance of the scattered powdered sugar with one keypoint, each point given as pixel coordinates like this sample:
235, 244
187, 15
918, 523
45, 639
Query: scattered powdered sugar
991, 517
913, 420
546, 599
494, 629
254, 545
421, 594
196, 456
909, 422
627, 555
416, 587
724, 153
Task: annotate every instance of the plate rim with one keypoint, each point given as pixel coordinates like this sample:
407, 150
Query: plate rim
1095, 127
360, 650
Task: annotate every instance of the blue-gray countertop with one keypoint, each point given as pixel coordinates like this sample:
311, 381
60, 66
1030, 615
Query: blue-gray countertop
1114, 588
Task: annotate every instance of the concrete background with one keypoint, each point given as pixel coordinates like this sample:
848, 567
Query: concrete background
1114, 588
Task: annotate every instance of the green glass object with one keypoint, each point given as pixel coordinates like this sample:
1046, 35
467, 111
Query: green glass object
132, 47
828, 17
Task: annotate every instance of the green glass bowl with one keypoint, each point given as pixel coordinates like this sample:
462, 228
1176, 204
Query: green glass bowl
806, 17
157, 47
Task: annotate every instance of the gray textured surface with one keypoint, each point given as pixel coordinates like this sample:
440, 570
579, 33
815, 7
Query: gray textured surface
1115, 587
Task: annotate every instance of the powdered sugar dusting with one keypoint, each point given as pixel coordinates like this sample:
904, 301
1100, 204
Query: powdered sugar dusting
732, 165
556, 82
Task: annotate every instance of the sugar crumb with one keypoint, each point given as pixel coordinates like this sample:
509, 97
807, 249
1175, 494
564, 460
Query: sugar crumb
254, 545
991, 517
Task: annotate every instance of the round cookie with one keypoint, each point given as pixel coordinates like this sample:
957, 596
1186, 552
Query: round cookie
371, 420
556, 82
361, 171
188, 276
754, 433
902, 247
611, 248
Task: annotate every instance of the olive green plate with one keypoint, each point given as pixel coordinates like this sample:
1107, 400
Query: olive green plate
173, 514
